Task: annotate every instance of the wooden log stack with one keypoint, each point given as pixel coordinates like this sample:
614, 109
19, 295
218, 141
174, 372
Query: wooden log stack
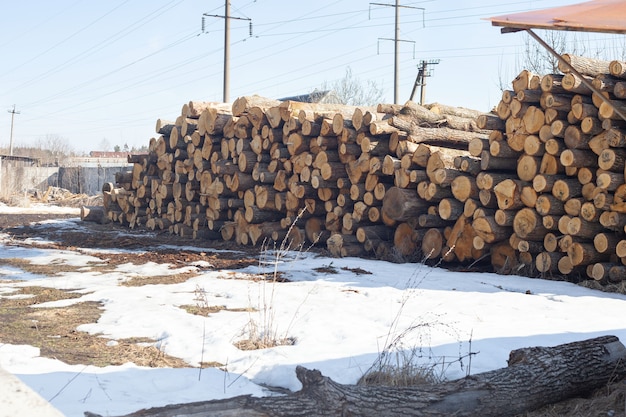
535, 187
386, 180
567, 213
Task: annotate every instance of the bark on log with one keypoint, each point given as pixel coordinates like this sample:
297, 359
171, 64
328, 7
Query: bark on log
94, 214
534, 377
402, 204
584, 65
418, 134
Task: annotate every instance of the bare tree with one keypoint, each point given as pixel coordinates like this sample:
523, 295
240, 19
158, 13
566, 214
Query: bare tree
104, 145
53, 149
351, 90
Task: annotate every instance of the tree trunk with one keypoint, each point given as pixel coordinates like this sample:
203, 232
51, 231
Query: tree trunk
533, 378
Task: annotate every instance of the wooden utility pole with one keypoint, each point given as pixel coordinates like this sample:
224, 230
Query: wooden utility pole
226, 87
420, 81
13, 113
396, 56
227, 17
396, 48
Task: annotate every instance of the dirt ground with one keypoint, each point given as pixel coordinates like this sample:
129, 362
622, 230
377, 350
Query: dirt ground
53, 330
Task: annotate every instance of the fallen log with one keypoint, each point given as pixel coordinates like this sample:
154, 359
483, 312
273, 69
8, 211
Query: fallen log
534, 377
94, 214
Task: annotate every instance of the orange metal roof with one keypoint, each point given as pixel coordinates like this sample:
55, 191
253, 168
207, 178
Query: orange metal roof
608, 16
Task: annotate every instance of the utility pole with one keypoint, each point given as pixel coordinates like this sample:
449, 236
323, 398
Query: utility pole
227, 17
13, 113
396, 55
226, 87
420, 81
396, 47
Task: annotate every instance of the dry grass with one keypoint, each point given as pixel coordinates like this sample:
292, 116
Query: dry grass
401, 376
206, 311
107, 266
609, 401
53, 331
139, 281
259, 340
50, 269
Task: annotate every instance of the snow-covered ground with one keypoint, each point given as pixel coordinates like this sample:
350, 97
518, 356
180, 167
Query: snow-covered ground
340, 322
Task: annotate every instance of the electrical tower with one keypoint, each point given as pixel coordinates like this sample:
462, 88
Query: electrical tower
422, 73
227, 17
13, 113
396, 41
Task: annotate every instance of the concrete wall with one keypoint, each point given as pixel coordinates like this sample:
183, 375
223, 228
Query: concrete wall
87, 180
19, 180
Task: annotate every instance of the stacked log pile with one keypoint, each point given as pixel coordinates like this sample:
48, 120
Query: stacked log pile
387, 180
537, 186
567, 200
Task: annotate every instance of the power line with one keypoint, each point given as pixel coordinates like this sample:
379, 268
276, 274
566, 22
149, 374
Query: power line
396, 41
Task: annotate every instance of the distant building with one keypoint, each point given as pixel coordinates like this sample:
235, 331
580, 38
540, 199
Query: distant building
19, 161
328, 97
106, 154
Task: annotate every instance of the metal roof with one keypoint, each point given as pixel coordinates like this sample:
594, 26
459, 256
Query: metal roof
605, 16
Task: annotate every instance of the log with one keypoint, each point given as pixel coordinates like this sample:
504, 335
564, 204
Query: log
464, 187
508, 194
490, 121
582, 228
584, 254
548, 261
585, 65
405, 239
584, 366
533, 119
526, 80
504, 217
551, 83
617, 273
486, 180
402, 204
547, 204
566, 189
445, 135
96, 214
443, 109
528, 167
574, 138
489, 230
489, 163
573, 84
528, 224
450, 209
243, 104
432, 243
534, 145
603, 242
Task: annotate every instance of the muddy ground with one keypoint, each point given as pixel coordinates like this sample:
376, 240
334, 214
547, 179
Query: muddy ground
53, 330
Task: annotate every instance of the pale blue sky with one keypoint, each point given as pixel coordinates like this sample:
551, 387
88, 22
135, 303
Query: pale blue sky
89, 70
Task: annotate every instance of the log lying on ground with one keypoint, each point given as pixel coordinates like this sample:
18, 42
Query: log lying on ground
94, 214
534, 377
